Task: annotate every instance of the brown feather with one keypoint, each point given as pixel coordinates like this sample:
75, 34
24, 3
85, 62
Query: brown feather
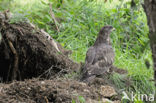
100, 56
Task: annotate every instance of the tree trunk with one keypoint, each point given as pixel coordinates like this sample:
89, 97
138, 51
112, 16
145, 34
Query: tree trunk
150, 10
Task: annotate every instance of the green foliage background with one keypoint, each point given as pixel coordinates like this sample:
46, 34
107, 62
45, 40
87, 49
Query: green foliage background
79, 22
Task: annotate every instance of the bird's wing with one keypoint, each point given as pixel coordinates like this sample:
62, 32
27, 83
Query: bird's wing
104, 55
108, 55
103, 60
89, 57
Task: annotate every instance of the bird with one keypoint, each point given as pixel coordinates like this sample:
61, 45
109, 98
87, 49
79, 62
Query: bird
100, 56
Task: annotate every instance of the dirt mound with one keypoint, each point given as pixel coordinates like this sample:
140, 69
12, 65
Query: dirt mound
55, 91
28, 52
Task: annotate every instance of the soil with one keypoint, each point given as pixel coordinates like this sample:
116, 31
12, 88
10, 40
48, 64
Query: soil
54, 91
26, 52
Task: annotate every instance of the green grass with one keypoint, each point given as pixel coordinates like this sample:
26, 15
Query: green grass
80, 21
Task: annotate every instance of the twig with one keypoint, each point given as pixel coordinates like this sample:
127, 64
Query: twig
53, 17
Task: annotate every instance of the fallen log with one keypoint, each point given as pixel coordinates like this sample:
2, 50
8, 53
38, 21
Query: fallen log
27, 52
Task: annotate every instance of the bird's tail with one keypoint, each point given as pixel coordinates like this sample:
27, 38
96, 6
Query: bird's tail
87, 79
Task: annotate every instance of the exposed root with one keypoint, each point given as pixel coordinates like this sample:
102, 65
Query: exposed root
16, 58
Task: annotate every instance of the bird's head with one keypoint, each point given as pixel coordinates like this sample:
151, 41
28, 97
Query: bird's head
106, 30
104, 34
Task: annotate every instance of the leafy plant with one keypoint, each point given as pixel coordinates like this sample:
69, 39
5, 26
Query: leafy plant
81, 99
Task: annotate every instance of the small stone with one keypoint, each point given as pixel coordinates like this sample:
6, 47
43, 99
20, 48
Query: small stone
107, 91
86, 90
104, 100
83, 84
42, 82
117, 101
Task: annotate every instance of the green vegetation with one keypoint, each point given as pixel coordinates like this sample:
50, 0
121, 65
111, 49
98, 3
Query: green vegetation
79, 22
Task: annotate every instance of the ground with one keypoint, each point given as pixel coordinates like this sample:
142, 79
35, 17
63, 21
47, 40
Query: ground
56, 91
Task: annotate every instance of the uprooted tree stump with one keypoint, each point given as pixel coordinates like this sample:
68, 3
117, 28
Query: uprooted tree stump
27, 52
